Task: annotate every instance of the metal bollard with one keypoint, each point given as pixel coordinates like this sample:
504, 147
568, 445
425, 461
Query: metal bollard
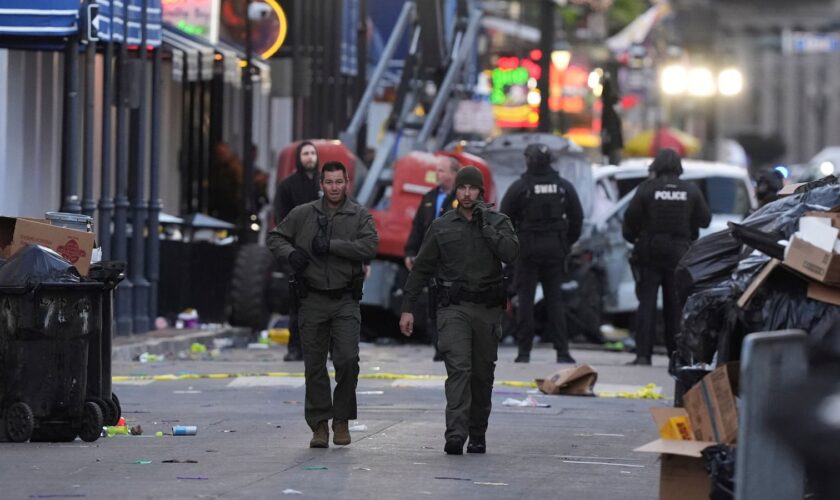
765, 467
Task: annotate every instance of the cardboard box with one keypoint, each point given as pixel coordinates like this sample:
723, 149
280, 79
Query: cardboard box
682, 475
818, 261
711, 405
75, 246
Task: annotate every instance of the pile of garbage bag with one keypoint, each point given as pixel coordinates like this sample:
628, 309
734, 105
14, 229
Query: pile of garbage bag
718, 268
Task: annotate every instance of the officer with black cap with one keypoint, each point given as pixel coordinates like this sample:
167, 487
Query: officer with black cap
463, 251
663, 218
548, 217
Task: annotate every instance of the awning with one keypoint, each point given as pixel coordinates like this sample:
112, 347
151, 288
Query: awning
135, 19
230, 58
192, 60
39, 18
257, 61
111, 20
43, 20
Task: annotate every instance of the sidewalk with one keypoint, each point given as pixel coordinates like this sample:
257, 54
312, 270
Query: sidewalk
170, 341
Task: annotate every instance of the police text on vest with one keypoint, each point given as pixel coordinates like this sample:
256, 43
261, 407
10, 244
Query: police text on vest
671, 195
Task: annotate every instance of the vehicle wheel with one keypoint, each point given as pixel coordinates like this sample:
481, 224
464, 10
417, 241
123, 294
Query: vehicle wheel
91, 422
249, 289
54, 433
587, 316
107, 410
117, 408
20, 422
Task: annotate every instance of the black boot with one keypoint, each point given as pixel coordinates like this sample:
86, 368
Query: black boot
565, 357
640, 361
522, 358
454, 446
477, 444
293, 355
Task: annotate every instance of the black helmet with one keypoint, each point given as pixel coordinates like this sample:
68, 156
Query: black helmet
538, 154
667, 162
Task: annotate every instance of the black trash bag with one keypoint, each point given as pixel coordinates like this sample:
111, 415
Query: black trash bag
719, 461
786, 306
707, 263
766, 243
709, 317
34, 265
712, 259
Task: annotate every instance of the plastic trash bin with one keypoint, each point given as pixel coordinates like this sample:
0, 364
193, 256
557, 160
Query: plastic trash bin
99, 389
45, 333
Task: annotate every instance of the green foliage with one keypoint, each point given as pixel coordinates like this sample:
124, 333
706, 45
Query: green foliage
623, 12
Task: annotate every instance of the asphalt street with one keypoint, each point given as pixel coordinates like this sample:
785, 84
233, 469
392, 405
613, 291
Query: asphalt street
252, 439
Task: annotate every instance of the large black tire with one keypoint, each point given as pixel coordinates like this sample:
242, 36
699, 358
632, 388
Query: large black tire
249, 289
91, 422
108, 410
117, 408
20, 422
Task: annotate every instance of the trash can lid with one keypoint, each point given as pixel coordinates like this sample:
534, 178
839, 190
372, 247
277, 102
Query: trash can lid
69, 217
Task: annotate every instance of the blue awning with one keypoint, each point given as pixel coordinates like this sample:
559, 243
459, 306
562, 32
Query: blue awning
39, 18
59, 18
153, 22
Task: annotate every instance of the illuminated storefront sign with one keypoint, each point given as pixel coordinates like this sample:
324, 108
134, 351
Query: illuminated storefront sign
196, 17
516, 97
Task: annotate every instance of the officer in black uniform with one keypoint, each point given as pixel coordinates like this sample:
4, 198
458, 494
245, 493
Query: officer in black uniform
548, 217
663, 218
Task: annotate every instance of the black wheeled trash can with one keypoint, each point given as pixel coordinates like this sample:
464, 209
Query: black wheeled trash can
45, 336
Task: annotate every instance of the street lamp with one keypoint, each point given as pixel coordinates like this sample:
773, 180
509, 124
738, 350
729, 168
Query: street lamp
730, 82
674, 79
701, 83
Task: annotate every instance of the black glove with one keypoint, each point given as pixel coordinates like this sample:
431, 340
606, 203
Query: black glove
478, 216
298, 260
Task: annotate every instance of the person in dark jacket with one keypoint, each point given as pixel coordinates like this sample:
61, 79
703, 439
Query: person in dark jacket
548, 218
299, 188
464, 251
433, 204
663, 218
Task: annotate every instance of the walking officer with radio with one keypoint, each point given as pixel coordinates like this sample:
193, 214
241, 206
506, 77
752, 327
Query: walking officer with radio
663, 218
463, 251
326, 242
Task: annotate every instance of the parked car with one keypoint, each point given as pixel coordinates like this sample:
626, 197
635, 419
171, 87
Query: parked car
600, 266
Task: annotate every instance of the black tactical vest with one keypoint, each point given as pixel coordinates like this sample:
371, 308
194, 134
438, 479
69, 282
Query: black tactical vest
542, 226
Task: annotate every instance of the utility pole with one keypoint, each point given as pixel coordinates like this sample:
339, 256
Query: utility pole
546, 47
247, 235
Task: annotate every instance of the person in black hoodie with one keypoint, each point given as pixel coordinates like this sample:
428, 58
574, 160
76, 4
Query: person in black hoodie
548, 218
300, 187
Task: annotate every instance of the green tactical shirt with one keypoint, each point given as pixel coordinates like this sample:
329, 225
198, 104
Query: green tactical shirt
457, 250
353, 240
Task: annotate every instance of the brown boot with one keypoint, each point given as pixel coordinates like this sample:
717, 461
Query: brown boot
341, 432
320, 436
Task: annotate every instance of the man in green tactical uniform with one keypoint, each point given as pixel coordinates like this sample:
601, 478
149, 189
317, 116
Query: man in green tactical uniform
464, 250
326, 242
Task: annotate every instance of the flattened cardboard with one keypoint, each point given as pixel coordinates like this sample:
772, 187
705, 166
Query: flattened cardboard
676, 447
756, 283
824, 293
75, 246
790, 188
576, 381
711, 405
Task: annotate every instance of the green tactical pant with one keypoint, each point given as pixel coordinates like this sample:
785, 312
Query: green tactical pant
324, 321
468, 339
